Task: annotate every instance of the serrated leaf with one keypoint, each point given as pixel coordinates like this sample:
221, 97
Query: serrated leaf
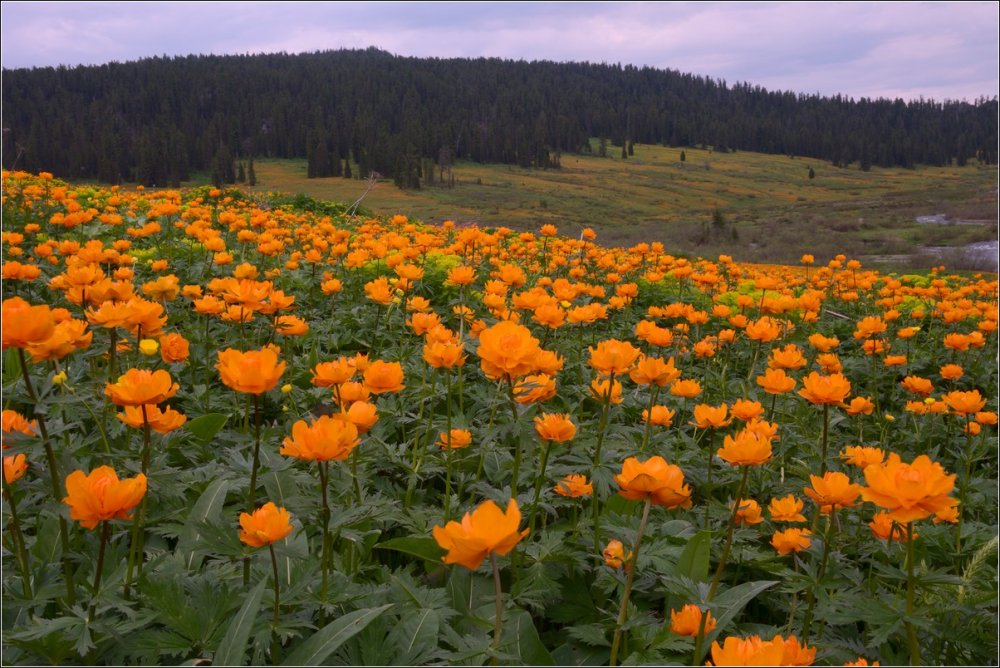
234, 642
415, 637
205, 427
520, 638
315, 650
425, 548
208, 505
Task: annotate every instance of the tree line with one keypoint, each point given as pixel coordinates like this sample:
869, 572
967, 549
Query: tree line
354, 112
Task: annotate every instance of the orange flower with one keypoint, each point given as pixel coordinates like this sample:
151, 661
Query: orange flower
829, 363
173, 348
254, 372
860, 405
964, 403
574, 485
361, 414
786, 509
748, 512
951, 372
507, 351
791, 540
327, 438
862, 456
869, 327
917, 385
764, 330
379, 291
100, 496
656, 480
746, 410
884, 528
909, 491
747, 448
653, 370
613, 357
662, 416
11, 420
456, 438
383, 377
776, 381
162, 422
861, 661
485, 530
750, 651
14, 467
555, 427
24, 324
789, 357
328, 374
615, 556
460, 276
826, 390
687, 622
443, 355
348, 393
711, 417
686, 389
141, 386
268, 524
534, 389
67, 336
797, 654
833, 490
823, 344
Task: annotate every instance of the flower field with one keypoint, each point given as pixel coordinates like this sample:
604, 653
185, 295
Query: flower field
257, 430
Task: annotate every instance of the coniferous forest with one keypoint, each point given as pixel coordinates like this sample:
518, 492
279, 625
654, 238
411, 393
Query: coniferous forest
352, 112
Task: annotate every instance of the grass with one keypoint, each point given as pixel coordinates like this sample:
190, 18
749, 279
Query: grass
772, 211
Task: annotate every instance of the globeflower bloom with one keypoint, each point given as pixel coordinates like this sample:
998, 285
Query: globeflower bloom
687, 621
555, 427
776, 381
141, 386
328, 438
833, 490
661, 416
101, 496
787, 509
507, 351
862, 456
748, 512
485, 530
383, 377
747, 448
14, 468
574, 485
654, 371
750, 651
162, 422
268, 524
455, 439
711, 417
615, 556
253, 372
24, 324
656, 480
613, 357
791, 540
909, 491
964, 403
825, 390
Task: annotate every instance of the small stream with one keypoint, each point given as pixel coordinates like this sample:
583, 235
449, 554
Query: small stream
981, 255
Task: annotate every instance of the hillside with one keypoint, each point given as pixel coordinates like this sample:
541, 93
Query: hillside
157, 120
771, 210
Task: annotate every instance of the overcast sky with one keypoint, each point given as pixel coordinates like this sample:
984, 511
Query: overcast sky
936, 50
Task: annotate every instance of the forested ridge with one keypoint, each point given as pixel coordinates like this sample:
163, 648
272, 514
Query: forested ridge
351, 112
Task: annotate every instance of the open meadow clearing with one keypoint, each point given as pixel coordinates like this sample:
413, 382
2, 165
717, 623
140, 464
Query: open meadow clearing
246, 428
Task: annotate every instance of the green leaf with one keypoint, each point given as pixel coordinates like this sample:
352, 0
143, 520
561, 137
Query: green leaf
732, 601
209, 504
205, 427
234, 643
425, 548
520, 638
415, 637
315, 650
693, 562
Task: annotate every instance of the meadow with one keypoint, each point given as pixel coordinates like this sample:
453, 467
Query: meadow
771, 210
252, 428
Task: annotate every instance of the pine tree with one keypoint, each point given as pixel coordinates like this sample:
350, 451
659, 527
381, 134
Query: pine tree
251, 174
683, 156
241, 174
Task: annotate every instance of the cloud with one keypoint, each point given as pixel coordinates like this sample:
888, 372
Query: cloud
935, 50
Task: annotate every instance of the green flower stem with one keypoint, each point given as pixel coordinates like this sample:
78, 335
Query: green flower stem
99, 570
602, 428
498, 623
649, 416
623, 609
517, 439
911, 630
964, 487
419, 447
54, 478
539, 481
18, 539
729, 535
448, 455
826, 434
811, 596
327, 538
252, 492
276, 618
708, 478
